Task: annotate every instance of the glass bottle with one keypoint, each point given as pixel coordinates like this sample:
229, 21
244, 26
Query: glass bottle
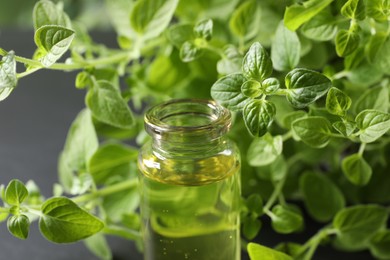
189, 183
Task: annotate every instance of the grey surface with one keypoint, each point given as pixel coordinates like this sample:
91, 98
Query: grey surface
34, 121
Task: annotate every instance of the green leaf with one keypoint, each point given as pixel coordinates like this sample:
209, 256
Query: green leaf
314, 131
204, 29
346, 42
227, 91
378, 9
285, 49
357, 224
290, 117
374, 45
231, 63
244, 22
285, 219
258, 116
111, 160
63, 221
108, 106
356, 169
372, 124
320, 28
149, 18
251, 88
374, 98
83, 80
337, 102
19, 226
259, 252
278, 169
264, 150
81, 143
8, 79
322, 198
257, 63
180, 33
190, 52
305, 87
118, 12
354, 9
47, 13
298, 14
15, 193
381, 58
270, 85
99, 246
53, 41
254, 203
344, 127
251, 227
380, 245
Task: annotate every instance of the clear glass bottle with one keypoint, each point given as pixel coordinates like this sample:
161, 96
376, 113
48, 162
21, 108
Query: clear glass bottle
190, 183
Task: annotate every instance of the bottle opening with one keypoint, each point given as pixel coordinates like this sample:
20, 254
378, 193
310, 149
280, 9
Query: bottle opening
188, 117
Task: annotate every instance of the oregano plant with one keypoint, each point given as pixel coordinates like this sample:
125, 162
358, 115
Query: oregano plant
307, 82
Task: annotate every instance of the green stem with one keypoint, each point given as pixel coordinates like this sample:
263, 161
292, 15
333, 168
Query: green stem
215, 50
275, 194
122, 232
287, 136
106, 191
27, 72
311, 245
361, 148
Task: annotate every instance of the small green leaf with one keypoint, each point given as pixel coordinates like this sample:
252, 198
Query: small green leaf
285, 49
320, 28
254, 203
190, 52
232, 62
305, 87
257, 63
381, 58
322, 198
65, 222
314, 131
83, 80
99, 246
285, 219
356, 169
270, 85
264, 150
180, 33
47, 13
374, 45
15, 193
380, 245
289, 118
357, 224
374, 98
278, 169
258, 116
204, 29
108, 106
259, 252
346, 42
372, 124
251, 227
245, 20
378, 9
298, 14
19, 226
111, 160
344, 127
251, 88
337, 102
53, 41
149, 18
354, 9
8, 79
227, 92
81, 143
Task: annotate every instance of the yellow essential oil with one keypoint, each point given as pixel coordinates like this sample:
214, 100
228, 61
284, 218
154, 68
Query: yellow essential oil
189, 183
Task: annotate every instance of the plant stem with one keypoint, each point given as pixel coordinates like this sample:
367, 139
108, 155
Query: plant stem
106, 191
275, 194
361, 148
122, 232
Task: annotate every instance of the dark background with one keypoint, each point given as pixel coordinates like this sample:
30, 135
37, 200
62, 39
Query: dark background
34, 121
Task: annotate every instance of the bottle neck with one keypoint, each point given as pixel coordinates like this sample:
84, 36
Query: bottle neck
188, 127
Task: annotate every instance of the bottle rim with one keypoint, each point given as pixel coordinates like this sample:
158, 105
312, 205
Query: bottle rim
219, 123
